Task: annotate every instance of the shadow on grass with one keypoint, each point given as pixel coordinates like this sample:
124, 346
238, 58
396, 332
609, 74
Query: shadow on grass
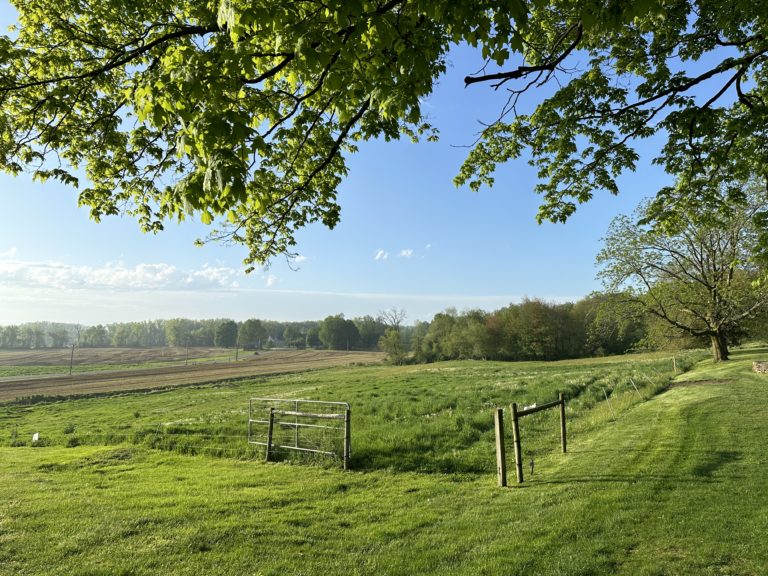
756, 353
715, 460
414, 462
702, 472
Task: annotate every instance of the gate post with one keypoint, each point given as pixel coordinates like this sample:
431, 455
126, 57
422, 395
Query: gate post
562, 422
516, 441
269, 433
501, 459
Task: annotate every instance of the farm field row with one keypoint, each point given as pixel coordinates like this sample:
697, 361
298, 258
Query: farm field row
60, 357
655, 482
137, 378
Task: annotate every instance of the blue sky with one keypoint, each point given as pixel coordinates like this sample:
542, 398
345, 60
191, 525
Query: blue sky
407, 238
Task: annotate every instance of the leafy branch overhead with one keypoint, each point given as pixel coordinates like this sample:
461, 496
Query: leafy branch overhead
690, 71
241, 112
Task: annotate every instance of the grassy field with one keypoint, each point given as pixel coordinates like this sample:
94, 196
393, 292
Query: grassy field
670, 483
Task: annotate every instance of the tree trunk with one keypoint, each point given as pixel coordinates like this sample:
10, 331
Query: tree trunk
719, 346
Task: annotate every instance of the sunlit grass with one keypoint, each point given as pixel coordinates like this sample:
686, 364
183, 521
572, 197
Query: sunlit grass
435, 417
669, 484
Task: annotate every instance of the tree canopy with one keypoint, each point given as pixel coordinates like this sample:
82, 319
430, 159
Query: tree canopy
251, 334
692, 71
702, 279
240, 112
338, 333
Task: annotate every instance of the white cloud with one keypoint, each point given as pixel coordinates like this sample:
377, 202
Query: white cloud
8, 253
428, 247
115, 276
271, 280
381, 255
300, 259
405, 253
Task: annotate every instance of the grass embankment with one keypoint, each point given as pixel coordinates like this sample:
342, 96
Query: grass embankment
674, 486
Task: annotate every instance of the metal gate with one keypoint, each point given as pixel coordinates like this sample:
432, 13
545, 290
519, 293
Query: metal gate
312, 426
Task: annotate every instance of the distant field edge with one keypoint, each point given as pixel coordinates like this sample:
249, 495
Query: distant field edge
29, 390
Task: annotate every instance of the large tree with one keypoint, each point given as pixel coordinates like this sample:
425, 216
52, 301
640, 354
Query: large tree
292, 336
240, 112
392, 344
226, 333
338, 333
371, 330
252, 334
700, 276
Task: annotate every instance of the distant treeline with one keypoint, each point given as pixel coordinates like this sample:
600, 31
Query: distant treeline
334, 332
534, 329
531, 330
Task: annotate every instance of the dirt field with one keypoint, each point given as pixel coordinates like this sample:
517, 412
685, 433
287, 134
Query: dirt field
61, 356
265, 363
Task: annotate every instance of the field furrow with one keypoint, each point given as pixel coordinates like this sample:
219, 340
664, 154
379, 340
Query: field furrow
100, 381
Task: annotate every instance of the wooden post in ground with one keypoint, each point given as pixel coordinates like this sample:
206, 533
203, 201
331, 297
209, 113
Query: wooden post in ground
269, 433
562, 422
501, 459
71, 359
516, 441
347, 438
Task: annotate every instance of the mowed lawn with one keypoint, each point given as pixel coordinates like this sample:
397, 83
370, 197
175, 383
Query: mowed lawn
671, 483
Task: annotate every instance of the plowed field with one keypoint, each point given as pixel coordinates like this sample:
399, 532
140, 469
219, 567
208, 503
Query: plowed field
265, 363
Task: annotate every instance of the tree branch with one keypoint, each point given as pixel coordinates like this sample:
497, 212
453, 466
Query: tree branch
125, 59
523, 71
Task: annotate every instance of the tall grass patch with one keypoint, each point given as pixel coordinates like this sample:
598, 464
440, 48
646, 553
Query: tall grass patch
427, 418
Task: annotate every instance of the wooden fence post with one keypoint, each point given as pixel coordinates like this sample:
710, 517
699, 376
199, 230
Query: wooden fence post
516, 441
269, 433
71, 359
501, 459
563, 440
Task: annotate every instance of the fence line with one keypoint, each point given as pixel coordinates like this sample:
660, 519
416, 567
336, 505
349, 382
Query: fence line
516, 415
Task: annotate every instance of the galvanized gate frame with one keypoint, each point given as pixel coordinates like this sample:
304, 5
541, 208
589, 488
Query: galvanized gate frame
293, 409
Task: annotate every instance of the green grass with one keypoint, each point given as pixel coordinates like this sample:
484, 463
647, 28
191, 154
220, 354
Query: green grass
675, 485
428, 418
